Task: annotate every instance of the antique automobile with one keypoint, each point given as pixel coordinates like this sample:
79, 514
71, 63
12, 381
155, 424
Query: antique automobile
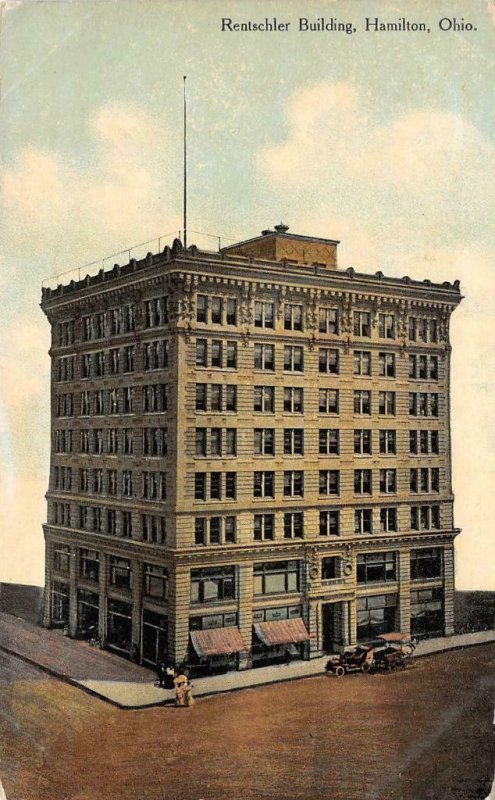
355, 659
388, 652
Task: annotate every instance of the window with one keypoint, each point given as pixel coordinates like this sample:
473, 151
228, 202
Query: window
201, 353
155, 441
66, 368
388, 519
215, 485
328, 360
216, 397
154, 485
375, 615
201, 308
264, 441
386, 326
128, 441
231, 442
424, 518
98, 481
84, 480
386, 363
155, 581
329, 482
201, 396
376, 567
330, 522
86, 365
111, 521
112, 481
386, 403
362, 362
217, 353
388, 442
66, 333
231, 311
362, 401
427, 615
200, 441
423, 404
362, 442
61, 557
155, 355
200, 486
231, 355
155, 398
293, 483
128, 359
362, 324
362, 481
215, 442
264, 356
214, 530
85, 404
263, 527
294, 525
264, 484
363, 520
99, 359
425, 479
423, 442
294, 441
426, 563
423, 367
216, 310
293, 400
329, 441
65, 405
89, 565
276, 577
126, 525
328, 401
111, 441
330, 568
210, 584
264, 399
328, 320
231, 485
388, 481
128, 398
156, 312
293, 359
264, 314
293, 317
153, 528
120, 572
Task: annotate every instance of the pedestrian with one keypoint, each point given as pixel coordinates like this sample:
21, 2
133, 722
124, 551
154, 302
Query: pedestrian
161, 673
169, 677
180, 682
188, 695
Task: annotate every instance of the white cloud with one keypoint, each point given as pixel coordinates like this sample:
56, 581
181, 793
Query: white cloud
422, 173
77, 211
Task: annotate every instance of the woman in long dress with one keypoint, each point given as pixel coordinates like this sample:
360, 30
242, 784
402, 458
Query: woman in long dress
181, 683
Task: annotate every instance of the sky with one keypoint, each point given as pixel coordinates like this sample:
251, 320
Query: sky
383, 140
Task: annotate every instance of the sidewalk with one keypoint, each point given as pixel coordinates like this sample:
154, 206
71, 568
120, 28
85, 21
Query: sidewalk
129, 686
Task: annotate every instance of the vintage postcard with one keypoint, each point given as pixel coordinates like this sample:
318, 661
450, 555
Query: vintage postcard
247, 440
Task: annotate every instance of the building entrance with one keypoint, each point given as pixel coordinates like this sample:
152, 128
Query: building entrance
154, 638
332, 627
87, 614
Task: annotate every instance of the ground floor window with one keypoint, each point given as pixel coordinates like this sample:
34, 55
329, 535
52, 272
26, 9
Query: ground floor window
375, 615
263, 655
119, 626
427, 613
217, 663
154, 637
60, 603
88, 605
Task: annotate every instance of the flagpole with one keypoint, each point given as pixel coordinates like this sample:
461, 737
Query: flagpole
185, 166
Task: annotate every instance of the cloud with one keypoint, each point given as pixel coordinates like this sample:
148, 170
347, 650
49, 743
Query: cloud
340, 157
78, 209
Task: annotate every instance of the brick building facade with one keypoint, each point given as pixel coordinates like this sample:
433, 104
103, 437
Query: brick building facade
250, 454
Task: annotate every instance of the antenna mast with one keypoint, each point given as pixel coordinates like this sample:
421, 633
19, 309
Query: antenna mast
185, 166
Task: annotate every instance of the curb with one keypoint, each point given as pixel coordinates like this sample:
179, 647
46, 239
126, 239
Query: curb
170, 703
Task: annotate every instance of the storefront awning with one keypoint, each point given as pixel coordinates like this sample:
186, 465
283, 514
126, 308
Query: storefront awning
217, 642
286, 631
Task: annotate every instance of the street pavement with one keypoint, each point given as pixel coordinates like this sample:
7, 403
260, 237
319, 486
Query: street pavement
130, 686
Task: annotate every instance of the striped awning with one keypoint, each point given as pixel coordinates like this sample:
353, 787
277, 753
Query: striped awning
217, 642
286, 631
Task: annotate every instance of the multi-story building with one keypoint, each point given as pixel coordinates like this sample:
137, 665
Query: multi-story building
250, 454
